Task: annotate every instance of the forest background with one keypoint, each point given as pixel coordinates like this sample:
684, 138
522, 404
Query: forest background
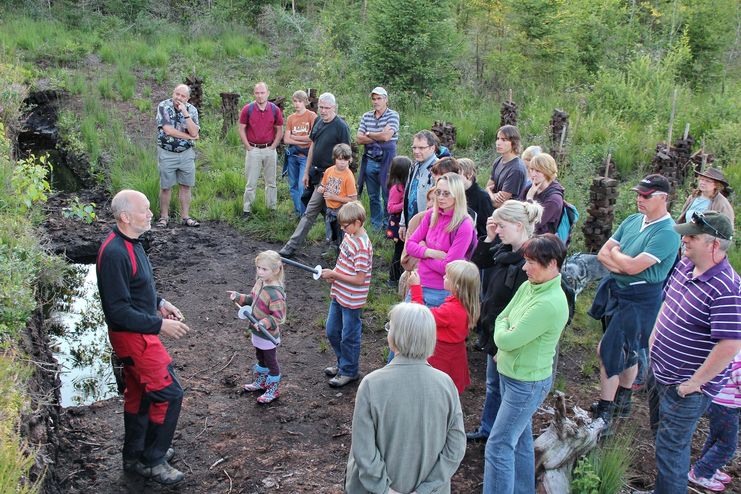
613, 65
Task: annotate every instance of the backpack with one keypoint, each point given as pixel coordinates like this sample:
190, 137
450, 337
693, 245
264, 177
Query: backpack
251, 108
569, 217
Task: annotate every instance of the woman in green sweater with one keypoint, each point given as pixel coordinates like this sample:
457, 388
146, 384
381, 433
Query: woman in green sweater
526, 333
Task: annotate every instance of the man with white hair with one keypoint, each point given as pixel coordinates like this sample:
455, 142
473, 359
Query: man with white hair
136, 317
697, 335
378, 132
328, 131
178, 128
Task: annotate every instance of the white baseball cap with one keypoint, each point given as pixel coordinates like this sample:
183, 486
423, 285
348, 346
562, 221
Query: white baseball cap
379, 91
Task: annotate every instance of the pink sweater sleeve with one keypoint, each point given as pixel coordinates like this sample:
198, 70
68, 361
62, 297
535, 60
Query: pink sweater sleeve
412, 245
463, 238
396, 199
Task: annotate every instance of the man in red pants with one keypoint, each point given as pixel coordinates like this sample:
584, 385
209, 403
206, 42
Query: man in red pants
136, 316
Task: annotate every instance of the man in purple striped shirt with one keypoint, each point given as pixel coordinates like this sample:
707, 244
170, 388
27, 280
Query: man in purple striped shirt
697, 334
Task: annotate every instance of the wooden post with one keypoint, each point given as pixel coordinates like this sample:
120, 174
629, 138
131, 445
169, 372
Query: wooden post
704, 156
607, 165
510, 96
671, 118
230, 110
563, 136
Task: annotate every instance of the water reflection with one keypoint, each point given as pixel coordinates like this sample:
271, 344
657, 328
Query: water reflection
79, 341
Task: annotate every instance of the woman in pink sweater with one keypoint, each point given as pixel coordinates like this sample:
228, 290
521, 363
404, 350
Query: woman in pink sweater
446, 234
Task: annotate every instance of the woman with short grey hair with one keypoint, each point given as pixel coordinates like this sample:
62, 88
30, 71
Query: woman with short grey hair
407, 429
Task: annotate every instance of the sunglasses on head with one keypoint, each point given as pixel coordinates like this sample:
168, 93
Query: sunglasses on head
699, 219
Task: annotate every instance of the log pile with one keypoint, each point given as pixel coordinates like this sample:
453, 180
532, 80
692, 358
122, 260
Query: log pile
196, 91
229, 111
313, 104
563, 442
559, 125
279, 101
597, 228
508, 113
445, 132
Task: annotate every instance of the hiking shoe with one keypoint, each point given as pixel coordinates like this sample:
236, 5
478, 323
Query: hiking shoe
709, 484
339, 380
246, 215
162, 474
722, 477
129, 464
332, 371
476, 436
287, 252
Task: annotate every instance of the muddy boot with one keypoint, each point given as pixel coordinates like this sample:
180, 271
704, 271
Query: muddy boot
162, 473
271, 387
623, 402
604, 410
261, 374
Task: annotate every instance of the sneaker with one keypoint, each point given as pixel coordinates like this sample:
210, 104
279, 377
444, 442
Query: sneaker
339, 380
332, 371
709, 484
129, 464
476, 436
722, 477
163, 473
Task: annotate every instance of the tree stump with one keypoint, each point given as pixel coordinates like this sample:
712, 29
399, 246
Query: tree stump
196, 91
601, 212
563, 442
445, 132
508, 114
229, 110
559, 125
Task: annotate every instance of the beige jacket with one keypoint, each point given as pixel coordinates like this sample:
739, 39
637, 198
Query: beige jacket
718, 203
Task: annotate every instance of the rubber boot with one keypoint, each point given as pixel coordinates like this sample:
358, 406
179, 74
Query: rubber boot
604, 410
271, 389
623, 402
261, 374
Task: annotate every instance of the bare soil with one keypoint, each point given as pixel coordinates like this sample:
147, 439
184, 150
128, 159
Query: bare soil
228, 443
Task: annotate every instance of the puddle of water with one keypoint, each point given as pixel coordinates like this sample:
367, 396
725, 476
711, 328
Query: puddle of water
79, 341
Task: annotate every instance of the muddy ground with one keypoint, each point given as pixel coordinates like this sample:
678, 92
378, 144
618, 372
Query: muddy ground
226, 442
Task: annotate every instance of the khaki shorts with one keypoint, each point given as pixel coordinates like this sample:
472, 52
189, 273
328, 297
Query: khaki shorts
176, 168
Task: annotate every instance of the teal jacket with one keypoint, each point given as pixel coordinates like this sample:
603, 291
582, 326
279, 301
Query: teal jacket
527, 330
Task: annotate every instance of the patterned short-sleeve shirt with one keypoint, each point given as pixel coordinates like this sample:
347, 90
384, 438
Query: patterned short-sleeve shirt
166, 115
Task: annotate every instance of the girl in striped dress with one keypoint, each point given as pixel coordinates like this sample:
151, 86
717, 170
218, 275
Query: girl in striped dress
268, 301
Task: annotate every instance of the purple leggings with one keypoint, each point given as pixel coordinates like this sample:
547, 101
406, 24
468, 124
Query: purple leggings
269, 359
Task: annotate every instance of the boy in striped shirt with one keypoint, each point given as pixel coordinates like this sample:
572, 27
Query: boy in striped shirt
350, 280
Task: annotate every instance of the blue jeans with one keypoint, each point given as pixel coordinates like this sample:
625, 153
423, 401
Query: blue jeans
296, 165
376, 190
433, 297
343, 332
509, 456
673, 421
720, 445
493, 397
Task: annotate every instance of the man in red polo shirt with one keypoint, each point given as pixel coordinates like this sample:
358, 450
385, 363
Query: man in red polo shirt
261, 129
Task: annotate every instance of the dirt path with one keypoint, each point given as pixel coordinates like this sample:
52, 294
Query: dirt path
226, 442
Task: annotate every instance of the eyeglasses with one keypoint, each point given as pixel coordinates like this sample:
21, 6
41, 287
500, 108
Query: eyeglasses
420, 148
387, 326
699, 219
345, 225
442, 193
652, 195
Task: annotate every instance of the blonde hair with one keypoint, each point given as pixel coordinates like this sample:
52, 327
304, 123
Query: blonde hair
301, 96
351, 212
530, 152
272, 259
468, 167
466, 283
545, 164
525, 213
460, 208
412, 331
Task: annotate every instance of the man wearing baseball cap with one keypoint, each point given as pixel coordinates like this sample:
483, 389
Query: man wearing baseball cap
697, 335
639, 256
378, 131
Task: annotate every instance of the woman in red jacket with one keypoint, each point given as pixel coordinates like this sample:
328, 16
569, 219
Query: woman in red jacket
457, 314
